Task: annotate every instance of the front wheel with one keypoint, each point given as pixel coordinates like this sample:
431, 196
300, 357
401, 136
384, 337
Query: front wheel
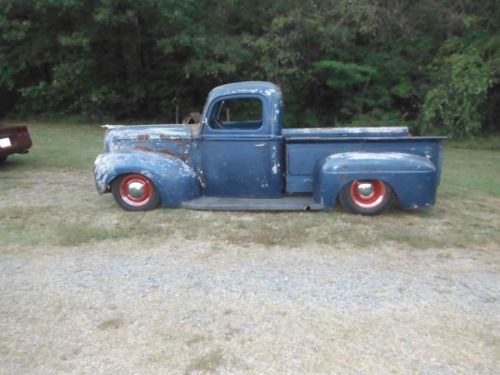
366, 197
135, 192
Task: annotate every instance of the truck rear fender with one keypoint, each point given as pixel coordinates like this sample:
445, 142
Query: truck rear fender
413, 178
175, 180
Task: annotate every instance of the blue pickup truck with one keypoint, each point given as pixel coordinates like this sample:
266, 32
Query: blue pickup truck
240, 158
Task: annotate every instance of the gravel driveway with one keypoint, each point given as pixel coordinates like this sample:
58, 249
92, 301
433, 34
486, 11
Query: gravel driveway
200, 307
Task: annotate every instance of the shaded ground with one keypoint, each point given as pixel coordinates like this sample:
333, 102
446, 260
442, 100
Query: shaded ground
86, 287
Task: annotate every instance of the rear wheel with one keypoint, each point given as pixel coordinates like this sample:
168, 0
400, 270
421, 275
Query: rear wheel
135, 192
366, 197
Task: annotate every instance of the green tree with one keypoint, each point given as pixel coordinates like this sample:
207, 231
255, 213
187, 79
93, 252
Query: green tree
453, 104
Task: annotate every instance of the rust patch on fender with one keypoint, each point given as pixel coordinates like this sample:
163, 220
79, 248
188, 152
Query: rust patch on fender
143, 137
184, 157
179, 141
151, 149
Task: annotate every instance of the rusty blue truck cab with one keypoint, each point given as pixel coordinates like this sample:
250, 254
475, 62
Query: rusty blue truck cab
240, 158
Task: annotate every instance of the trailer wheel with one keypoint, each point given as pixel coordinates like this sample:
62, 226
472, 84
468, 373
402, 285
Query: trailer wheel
135, 192
366, 197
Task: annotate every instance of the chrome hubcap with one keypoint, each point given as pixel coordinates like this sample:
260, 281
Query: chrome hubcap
136, 189
366, 190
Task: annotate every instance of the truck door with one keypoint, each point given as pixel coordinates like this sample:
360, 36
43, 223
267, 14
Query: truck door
239, 155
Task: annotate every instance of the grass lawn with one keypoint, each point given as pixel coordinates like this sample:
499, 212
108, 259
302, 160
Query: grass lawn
466, 213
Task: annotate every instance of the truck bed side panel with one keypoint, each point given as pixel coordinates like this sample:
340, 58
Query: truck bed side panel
302, 155
412, 177
363, 132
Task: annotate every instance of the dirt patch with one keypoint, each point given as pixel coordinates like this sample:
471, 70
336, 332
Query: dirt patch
110, 324
206, 363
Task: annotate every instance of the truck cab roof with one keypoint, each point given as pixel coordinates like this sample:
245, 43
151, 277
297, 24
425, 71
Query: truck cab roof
248, 87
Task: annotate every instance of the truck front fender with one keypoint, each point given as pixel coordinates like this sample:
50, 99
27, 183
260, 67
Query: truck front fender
176, 181
413, 178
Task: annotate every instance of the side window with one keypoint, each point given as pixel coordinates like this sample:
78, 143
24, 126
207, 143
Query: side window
241, 114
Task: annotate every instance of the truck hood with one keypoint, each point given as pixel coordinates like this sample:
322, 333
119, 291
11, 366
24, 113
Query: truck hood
170, 139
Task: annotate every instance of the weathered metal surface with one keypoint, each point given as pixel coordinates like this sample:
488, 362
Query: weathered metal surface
412, 177
14, 140
174, 179
303, 157
325, 133
265, 162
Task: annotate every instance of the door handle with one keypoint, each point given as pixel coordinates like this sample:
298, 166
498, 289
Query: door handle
260, 145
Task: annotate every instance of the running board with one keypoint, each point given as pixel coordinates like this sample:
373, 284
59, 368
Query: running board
253, 204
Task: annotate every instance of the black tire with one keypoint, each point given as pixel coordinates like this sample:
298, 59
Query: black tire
121, 189
353, 201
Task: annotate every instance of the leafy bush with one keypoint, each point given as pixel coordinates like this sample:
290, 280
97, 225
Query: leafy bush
453, 104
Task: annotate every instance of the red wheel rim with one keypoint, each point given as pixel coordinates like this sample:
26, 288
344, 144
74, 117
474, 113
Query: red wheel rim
379, 192
136, 190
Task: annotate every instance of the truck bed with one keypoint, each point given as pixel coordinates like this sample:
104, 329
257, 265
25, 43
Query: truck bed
314, 133
305, 147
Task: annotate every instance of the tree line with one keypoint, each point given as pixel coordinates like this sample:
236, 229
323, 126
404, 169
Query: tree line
432, 64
